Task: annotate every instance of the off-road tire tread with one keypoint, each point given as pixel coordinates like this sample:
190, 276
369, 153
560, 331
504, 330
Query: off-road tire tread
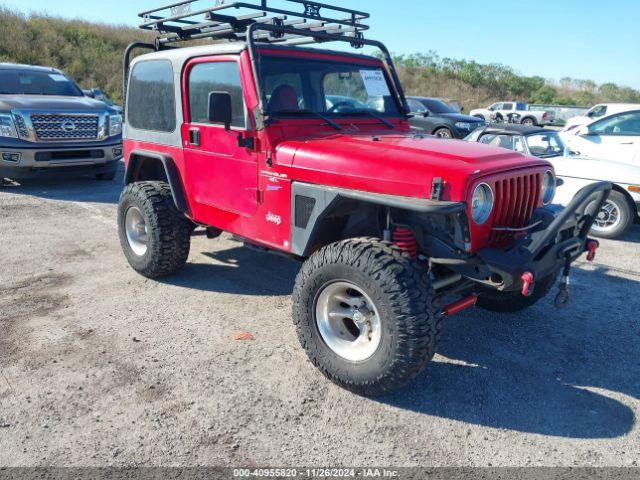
411, 299
169, 230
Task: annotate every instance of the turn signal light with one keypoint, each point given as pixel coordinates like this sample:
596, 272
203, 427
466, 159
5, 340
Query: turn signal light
634, 189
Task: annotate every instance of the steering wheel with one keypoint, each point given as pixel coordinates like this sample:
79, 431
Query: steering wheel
338, 105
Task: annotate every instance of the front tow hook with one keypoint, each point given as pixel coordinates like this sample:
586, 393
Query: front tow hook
562, 299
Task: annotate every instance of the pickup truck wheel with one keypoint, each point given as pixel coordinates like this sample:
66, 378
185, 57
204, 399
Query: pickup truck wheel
529, 122
366, 315
615, 218
154, 236
443, 133
512, 302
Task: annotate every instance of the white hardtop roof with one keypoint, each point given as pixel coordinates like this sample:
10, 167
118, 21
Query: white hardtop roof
230, 48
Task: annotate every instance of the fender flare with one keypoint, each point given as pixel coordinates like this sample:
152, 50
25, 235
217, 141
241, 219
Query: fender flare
136, 157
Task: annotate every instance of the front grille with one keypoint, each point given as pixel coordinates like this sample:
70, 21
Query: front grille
52, 126
22, 126
69, 155
515, 200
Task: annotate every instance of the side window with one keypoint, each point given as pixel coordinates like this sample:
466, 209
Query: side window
518, 145
507, 106
205, 78
624, 124
496, 106
415, 106
151, 102
597, 112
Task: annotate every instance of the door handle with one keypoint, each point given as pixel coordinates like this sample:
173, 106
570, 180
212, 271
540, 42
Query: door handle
194, 136
626, 143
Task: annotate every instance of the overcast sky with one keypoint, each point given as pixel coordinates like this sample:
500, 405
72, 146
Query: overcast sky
590, 39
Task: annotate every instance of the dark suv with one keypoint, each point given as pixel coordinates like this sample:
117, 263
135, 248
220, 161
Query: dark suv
435, 117
48, 124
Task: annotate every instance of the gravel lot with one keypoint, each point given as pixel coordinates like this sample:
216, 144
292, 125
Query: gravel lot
102, 367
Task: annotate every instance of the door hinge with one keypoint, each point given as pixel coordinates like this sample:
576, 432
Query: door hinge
260, 195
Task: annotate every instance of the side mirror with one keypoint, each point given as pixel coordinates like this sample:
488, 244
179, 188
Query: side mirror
220, 109
426, 113
583, 131
97, 94
88, 93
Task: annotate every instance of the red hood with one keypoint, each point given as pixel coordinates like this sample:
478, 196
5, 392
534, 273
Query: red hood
397, 164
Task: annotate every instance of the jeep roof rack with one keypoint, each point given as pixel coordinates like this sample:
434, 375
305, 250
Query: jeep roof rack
230, 20
259, 22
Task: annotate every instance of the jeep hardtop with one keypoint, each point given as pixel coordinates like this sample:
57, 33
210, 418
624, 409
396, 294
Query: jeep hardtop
396, 230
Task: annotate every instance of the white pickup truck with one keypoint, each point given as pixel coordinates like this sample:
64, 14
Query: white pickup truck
500, 112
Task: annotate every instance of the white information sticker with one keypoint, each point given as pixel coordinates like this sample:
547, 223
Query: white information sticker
56, 77
375, 83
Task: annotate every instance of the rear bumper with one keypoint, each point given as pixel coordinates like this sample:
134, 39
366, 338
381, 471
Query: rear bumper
561, 235
19, 163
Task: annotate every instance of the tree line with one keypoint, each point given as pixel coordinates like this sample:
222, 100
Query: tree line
92, 54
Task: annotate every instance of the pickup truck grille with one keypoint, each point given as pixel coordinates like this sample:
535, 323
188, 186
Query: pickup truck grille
54, 126
515, 200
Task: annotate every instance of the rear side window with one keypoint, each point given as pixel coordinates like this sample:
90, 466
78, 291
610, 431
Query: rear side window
215, 77
151, 104
507, 106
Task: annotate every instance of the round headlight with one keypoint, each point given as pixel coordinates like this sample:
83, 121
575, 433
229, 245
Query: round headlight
548, 187
481, 203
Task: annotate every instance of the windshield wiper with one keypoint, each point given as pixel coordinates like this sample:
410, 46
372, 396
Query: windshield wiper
373, 115
311, 112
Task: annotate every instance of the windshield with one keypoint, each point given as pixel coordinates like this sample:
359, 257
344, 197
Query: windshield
438, 106
545, 145
298, 86
18, 82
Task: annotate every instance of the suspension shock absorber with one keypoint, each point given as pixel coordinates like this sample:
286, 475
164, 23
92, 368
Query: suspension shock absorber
403, 238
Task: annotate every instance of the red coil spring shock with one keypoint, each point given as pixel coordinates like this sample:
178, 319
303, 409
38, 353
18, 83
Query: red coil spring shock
404, 239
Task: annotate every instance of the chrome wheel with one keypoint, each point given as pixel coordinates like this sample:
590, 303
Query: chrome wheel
608, 218
348, 321
443, 133
136, 230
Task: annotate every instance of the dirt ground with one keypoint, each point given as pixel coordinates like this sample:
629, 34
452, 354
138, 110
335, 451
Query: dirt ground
102, 367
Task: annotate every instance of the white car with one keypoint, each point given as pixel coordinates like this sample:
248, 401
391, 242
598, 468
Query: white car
575, 173
598, 111
499, 112
614, 137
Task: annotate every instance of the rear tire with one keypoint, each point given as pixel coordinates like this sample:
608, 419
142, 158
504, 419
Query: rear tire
154, 235
512, 302
616, 217
393, 293
529, 122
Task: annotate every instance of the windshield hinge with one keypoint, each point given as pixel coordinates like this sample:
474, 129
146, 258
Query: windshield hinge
436, 189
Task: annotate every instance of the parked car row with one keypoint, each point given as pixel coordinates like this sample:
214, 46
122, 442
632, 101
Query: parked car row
513, 112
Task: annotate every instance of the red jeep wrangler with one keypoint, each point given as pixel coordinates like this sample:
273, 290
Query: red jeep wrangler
309, 152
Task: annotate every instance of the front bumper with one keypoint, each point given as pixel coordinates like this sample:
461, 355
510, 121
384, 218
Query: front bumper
19, 163
560, 236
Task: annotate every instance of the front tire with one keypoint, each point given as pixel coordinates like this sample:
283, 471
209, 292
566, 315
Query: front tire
155, 237
615, 218
366, 315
